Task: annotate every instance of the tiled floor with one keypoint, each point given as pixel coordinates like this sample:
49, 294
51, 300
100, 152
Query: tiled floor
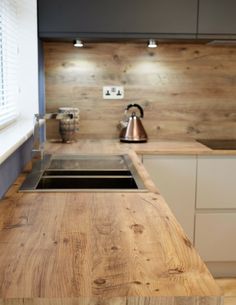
228, 285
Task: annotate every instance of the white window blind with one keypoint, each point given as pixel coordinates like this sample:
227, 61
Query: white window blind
9, 93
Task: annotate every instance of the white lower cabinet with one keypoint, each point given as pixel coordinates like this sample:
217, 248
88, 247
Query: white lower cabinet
175, 177
201, 192
215, 236
216, 182
215, 226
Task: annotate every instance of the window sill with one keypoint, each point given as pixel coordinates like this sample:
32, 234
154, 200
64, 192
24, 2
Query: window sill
13, 136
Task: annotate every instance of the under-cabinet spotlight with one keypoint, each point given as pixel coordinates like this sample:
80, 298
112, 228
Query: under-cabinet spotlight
152, 43
78, 43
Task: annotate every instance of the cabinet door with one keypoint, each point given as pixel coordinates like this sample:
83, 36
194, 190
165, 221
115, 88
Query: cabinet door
175, 177
106, 16
216, 182
217, 17
215, 236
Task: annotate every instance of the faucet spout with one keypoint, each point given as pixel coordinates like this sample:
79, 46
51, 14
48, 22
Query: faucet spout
40, 131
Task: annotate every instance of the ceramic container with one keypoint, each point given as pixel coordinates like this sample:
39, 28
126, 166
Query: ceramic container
69, 127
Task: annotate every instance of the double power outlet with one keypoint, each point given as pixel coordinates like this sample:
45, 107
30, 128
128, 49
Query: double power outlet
113, 92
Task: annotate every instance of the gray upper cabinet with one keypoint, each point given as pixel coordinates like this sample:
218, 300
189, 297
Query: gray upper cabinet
117, 18
217, 17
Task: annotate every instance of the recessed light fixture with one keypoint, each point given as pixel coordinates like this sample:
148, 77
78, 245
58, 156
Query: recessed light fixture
152, 43
78, 43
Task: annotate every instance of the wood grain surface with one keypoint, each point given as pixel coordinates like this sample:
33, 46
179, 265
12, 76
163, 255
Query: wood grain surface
152, 147
98, 248
115, 301
186, 90
98, 245
228, 286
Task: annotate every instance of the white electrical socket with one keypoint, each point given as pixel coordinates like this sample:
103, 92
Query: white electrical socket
113, 92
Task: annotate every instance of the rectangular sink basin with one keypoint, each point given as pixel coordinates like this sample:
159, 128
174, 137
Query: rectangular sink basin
98, 173
219, 144
57, 173
86, 183
75, 162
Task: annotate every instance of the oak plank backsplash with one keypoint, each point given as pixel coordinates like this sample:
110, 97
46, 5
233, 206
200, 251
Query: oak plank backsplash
186, 90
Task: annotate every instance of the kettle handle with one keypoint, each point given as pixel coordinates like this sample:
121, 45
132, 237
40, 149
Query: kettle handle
137, 106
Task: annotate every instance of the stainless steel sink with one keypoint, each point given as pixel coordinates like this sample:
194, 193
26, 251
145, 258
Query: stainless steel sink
57, 173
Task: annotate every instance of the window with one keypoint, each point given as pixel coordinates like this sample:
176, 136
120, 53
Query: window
9, 92
18, 73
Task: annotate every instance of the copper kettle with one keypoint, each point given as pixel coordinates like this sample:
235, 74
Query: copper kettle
133, 130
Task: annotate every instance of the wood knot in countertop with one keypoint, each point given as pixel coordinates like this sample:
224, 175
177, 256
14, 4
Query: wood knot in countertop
100, 281
175, 271
137, 228
187, 242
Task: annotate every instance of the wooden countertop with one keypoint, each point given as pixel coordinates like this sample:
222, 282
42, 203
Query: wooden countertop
99, 248
152, 147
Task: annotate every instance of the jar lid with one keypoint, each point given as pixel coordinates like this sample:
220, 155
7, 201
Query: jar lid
68, 109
